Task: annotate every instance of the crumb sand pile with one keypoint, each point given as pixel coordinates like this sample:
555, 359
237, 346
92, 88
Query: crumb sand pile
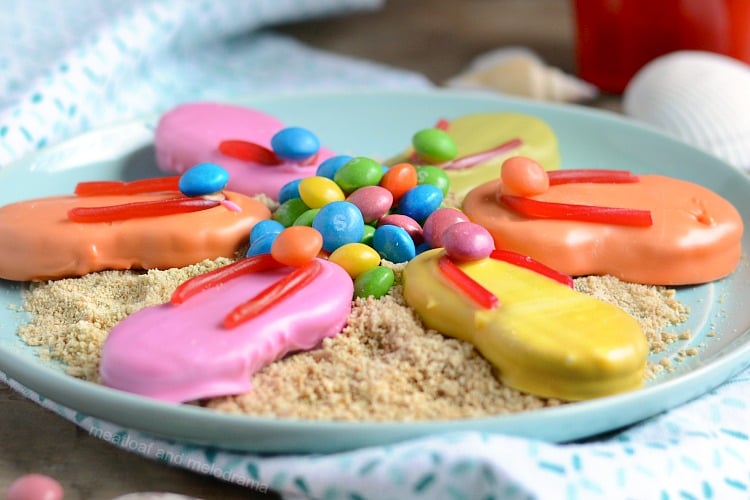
383, 366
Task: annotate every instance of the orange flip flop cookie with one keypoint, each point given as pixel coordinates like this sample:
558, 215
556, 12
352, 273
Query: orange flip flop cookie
55, 237
647, 229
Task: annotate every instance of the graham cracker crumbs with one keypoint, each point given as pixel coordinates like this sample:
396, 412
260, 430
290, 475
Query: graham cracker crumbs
71, 317
384, 366
655, 307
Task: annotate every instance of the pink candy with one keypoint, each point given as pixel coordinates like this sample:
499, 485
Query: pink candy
34, 487
439, 221
373, 201
465, 241
406, 223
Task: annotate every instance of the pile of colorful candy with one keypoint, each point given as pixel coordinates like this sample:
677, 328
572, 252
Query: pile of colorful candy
363, 211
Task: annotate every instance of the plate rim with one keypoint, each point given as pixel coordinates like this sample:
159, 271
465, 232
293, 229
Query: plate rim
720, 367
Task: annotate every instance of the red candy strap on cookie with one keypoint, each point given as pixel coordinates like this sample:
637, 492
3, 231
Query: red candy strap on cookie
249, 151
581, 175
141, 186
477, 158
443, 124
139, 209
286, 286
476, 292
585, 213
520, 260
223, 274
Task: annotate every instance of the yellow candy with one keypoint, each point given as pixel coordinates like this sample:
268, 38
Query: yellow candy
355, 258
544, 338
318, 191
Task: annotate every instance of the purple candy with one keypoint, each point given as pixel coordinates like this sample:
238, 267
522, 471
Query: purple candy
373, 201
406, 223
466, 241
439, 221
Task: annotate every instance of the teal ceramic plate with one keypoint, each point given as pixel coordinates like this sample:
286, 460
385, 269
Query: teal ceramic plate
379, 124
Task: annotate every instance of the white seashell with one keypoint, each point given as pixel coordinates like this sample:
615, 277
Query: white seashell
520, 71
701, 98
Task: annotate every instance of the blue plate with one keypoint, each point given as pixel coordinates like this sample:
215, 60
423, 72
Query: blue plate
379, 124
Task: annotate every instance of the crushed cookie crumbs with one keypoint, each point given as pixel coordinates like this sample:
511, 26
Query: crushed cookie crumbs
384, 365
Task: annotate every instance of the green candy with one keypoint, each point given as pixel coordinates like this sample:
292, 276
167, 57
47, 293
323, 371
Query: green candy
429, 174
306, 218
358, 172
434, 145
367, 237
374, 282
289, 211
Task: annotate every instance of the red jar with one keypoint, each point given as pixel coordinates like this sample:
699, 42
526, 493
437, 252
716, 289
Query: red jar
615, 38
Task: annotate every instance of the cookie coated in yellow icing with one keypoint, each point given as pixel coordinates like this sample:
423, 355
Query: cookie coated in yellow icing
543, 337
478, 132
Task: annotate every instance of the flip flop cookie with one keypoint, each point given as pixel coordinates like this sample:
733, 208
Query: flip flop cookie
118, 225
244, 141
543, 337
191, 348
481, 142
648, 229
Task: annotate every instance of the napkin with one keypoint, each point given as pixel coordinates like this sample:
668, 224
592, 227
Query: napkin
67, 66
700, 450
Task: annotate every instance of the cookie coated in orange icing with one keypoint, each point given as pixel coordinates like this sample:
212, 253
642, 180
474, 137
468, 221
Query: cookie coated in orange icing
695, 237
38, 242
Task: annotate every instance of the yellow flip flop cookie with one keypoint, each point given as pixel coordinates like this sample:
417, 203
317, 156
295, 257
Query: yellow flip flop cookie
543, 337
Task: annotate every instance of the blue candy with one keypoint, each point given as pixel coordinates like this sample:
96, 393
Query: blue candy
393, 243
339, 222
262, 245
289, 190
420, 201
202, 179
330, 166
295, 143
422, 247
264, 227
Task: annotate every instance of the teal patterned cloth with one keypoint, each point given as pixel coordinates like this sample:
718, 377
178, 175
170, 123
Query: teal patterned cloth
70, 65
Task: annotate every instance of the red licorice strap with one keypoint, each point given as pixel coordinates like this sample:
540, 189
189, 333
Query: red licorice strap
140, 209
476, 292
221, 275
585, 213
249, 151
104, 188
521, 260
443, 124
483, 156
557, 177
272, 295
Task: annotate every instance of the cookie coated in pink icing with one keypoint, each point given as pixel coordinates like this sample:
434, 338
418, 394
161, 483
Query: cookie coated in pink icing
179, 353
191, 133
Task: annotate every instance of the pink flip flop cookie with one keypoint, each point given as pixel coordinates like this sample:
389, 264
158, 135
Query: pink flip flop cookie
237, 138
222, 327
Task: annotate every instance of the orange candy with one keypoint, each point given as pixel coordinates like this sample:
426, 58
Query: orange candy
398, 179
297, 245
523, 176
